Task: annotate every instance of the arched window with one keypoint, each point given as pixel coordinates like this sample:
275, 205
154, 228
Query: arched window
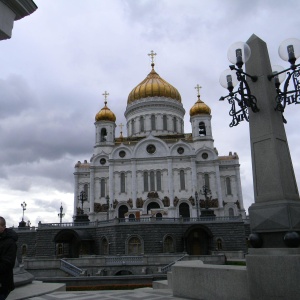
134, 246
131, 217
168, 245
103, 135
175, 124
142, 124
228, 186
104, 247
153, 125
182, 180
122, 183
24, 250
86, 190
165, 122
102, 187
132, 127
231, 212
202, 129
219, 244
152, 182
60, 249
146, 187
206, 180
158, 181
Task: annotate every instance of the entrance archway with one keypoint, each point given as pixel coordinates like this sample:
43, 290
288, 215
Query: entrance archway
123, 209
152, 205
198, 239
79, 242
184, 210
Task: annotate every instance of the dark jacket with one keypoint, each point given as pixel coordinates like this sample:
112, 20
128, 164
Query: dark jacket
8, 252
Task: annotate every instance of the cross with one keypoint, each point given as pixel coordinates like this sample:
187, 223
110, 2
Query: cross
198, 87
105, 94
152, 54
121, 126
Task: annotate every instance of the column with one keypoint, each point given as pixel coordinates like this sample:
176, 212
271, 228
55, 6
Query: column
171, 182
239, 186
76, 177
92, 190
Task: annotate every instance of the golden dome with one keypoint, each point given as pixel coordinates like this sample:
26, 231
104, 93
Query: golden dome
200, 108
105, 114
153, 86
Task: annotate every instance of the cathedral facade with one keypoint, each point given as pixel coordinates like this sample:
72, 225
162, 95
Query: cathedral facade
158, 170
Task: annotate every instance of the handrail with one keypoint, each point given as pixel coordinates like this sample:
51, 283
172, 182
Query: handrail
71, 269
124, 260
167, 268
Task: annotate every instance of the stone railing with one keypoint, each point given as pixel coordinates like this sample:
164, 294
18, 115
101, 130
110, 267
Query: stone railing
167, 268
71, 269
142, 220
123, 260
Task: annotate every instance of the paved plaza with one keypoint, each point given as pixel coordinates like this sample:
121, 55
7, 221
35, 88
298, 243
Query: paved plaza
142, 294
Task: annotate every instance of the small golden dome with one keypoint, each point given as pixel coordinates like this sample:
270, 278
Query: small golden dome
105, 114
153, 86
200, 108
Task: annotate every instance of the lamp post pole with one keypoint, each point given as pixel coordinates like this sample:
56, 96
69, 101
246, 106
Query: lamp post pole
24, 208
107, 203
197, 204
61, 214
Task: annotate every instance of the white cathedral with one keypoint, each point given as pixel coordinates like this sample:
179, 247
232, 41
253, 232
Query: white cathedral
157, 170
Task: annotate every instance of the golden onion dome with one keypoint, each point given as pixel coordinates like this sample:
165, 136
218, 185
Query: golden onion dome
200, 108
153, 86
105, 114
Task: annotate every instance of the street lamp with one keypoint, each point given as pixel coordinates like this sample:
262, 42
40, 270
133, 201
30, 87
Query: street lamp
24, 208
82, 198
242, 99
61, 214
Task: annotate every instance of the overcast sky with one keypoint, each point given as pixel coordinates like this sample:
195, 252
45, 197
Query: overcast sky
60, 60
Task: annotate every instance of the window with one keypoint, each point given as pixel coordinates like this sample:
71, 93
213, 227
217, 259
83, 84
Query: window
206, 180
132, 127
146, 187
219, 244
102, 188
152, 182
168, 245
182, 180
142, 124
153, 125
122, 182
24, 250
158, 181
134, 246
231, 212
228, 186
60, 249
104, 247
202, 129
86, 191
165, 122
103, 135
175, 124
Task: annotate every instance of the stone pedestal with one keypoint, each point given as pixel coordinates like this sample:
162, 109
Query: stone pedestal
273, 273
82, 219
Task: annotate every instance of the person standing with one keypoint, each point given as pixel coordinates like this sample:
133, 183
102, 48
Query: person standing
8, 253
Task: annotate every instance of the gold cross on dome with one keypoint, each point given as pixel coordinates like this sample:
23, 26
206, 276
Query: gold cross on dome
121, 126
105, 94
198, 87
152, 54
